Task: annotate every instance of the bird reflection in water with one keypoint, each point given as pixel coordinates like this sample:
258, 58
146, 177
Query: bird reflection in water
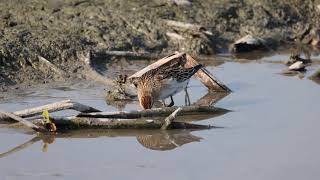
167, 140
151, 139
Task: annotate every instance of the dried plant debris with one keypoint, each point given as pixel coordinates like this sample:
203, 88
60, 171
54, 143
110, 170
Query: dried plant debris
119, 91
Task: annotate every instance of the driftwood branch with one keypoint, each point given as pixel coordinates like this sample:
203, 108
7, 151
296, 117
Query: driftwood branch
156, 112
24, 122
169, 119
75, 123
127, 120
161, 62
206, 77
57, 106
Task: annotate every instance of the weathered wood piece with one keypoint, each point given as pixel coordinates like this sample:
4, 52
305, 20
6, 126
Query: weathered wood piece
170, 118
111, 123
211, 82
57, 106
24, 122
155, 112
161, 62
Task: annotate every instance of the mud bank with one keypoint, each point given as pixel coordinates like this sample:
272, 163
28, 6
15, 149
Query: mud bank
61, 31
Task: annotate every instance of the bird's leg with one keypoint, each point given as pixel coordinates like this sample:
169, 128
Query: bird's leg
186, 98
171, 103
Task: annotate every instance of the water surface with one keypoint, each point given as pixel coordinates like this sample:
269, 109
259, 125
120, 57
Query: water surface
271, 133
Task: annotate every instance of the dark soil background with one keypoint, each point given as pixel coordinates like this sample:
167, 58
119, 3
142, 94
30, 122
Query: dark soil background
61, 30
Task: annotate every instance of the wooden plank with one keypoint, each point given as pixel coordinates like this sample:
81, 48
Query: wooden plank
208, 79
164, 61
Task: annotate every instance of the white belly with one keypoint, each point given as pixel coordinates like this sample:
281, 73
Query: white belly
172, 87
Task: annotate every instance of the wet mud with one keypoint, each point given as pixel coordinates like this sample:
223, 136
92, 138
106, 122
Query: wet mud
61, 31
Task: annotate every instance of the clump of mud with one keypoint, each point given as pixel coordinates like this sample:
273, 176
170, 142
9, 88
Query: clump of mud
59, 30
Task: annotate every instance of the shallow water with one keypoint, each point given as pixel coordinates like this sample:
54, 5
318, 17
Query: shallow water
271, 133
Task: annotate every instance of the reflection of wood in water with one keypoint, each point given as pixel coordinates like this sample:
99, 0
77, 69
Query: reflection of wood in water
151, 139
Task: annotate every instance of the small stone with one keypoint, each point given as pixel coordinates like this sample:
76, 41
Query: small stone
295, 58
181, 2
248, 43
297, 66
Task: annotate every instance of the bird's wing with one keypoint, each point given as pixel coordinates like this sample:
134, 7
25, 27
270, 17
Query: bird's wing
178, 73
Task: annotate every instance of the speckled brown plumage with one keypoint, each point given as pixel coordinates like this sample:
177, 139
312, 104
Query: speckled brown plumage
154, 83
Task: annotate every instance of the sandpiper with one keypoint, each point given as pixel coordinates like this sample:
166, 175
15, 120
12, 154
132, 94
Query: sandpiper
162, 82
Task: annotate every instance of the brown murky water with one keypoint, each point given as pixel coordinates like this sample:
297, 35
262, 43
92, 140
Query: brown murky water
271, 133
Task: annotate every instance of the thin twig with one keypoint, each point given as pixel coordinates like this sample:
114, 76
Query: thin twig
169, 119
56, 106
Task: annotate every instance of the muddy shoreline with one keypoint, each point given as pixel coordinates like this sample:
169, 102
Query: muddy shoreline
62, 31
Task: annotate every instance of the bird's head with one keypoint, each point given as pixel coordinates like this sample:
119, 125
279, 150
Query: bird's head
145, 92
146, 101
145, 96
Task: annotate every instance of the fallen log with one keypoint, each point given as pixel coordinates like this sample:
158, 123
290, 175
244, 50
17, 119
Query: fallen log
156, 112
111, 123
